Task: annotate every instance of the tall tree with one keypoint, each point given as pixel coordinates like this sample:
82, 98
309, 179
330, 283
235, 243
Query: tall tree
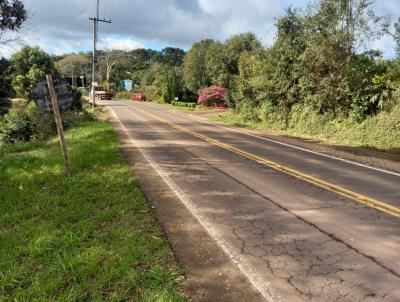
28, 65
5, 86
331, 65
171, 56
238, 44
397, 37
216, 65
73, 65
12, 15
194, 72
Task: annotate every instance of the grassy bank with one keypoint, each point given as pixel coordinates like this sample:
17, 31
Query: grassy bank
378, 132
91, 237
123, 95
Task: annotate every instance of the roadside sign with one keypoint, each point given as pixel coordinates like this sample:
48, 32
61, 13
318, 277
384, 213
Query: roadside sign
41, 94
127, 85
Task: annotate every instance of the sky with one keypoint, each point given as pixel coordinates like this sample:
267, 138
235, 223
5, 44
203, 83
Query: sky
62, 26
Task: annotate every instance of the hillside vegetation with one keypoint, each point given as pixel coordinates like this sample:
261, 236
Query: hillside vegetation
320, 76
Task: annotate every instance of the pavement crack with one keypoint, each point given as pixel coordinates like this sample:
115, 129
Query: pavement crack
330, 235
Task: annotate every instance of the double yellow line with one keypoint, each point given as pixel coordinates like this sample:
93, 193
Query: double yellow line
365, 200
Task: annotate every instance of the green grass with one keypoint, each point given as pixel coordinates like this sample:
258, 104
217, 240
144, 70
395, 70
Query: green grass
123, 95
91, 237
380, 132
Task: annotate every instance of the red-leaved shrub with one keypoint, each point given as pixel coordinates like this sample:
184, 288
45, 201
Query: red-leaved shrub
211, 95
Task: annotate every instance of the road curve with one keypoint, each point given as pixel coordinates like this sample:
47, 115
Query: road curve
300, 226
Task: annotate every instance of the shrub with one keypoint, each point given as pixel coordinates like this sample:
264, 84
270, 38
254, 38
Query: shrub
24, 121
123, 95
209, 96
5, 105
15, 126
184, 104
77, 101
42, 125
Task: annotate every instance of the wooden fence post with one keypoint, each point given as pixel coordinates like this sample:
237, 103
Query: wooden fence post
60, 129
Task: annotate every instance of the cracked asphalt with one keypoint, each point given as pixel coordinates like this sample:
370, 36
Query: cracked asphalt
304, 242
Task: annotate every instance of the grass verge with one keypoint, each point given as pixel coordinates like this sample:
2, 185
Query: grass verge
91, 237
379, 132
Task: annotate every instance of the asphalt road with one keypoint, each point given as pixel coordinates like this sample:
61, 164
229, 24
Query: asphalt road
298, 225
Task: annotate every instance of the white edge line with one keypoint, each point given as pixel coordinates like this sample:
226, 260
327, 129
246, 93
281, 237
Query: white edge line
296, 147
261, 285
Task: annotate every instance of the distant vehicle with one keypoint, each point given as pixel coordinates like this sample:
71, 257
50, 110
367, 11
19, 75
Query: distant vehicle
139, 97
101, 94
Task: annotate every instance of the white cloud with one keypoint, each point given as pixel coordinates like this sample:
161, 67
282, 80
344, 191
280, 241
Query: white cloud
119, 43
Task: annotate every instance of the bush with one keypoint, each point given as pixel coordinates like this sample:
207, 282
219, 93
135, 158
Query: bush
153, 93
24, 121
15, 126
123, 95
42, 125
5, 105
381, 131
209, 96
184, 104
77, 102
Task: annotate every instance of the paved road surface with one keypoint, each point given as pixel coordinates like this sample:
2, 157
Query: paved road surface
299, 226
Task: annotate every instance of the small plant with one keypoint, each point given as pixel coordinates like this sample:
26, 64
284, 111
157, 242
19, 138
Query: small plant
184, 104
123, 95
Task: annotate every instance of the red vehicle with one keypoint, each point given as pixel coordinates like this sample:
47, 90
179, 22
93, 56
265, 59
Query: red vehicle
140, 97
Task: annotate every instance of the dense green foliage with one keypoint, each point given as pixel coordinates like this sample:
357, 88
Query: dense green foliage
13, 14
318, 69
90, 237
381, 131
123, 95
313, 62
27, 66
24, 121
320, 61
5, 86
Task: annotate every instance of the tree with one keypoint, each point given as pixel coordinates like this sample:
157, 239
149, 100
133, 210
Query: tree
173, 84
171, 56
73, 65
216, 65
236, 45
110, 58
154, 82
335, 35
194, 71
397, 37
283, 67
27, 66
5, 86
13, 15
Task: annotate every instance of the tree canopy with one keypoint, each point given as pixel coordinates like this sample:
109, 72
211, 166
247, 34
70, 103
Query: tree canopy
28, 65
12, 16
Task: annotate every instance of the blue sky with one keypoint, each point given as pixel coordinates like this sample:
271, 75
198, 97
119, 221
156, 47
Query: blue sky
62, 26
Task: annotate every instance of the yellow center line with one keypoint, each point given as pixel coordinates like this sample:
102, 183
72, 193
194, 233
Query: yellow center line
365, 200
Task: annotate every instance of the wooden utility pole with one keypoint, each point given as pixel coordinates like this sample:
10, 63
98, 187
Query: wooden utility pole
60, 129
96, 21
